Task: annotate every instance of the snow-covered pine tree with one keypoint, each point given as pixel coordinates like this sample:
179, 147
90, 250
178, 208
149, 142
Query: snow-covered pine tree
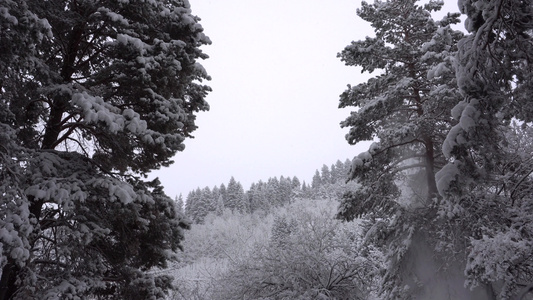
487, 181
260, 200
305, 190
295, 183
219, 209
405, 107
217, 202
340, 173
325, 174
200, 203
347, 167
334, 174
180, 204
191, 204
207, 202
272, 191
251, 197
93, 95
223, 193
316, 182
296, 188
282, 230
235, 197
285, 190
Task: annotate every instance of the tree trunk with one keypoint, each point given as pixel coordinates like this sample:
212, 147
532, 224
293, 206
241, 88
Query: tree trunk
8, 285
430, 169
10, 272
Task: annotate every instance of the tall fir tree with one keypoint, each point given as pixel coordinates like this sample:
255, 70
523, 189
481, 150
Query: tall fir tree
285, 190
304, 189
296, 188
218, 202
272, 191
340, 172
316, 181
260, 197
235, 200
93, 95
223, 193
180, 204
295, 183
207, 202
193, 205
406, 106
406, 109
325, 174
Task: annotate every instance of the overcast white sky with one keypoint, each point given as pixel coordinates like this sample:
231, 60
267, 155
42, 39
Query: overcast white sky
276, 85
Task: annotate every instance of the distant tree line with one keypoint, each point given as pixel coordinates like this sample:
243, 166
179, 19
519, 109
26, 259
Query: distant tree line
275, 192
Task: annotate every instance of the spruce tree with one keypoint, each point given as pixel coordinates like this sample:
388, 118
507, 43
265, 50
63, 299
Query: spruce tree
93, 96
180, 204
347, 167
316, 181
260, 198
235, 197
217, 204
304, 189
333, 172
295, 183
219, 209
285, 190
405, 108
193, 206
207, 203
325, 174
296, 188
272, 191
340, 172
223, 193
